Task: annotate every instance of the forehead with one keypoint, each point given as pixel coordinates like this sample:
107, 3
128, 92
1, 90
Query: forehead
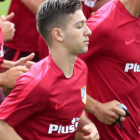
78, 16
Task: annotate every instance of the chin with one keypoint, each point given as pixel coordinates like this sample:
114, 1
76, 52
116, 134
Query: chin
84, 51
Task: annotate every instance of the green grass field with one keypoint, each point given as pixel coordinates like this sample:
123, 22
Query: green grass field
4, 7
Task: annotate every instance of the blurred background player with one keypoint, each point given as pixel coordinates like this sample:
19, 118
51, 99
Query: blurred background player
26, 36
114, 68
42, 46
9, 70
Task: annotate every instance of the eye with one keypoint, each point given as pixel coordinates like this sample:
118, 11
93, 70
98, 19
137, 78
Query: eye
79, 27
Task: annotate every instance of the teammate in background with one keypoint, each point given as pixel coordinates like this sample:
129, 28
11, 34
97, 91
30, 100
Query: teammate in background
113, 62
47, 102
25, 40
42, 46
90, 6
10, 70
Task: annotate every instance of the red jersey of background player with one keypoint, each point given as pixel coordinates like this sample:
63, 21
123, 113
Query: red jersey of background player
26, 35
113, 61
45, 104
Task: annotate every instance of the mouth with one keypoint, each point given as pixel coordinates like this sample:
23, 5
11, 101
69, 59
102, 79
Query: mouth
86, 41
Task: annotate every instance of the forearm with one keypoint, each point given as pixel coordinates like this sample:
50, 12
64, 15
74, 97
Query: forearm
106, 113
32, 4
6, 65
7, 132
87, 127
91, 105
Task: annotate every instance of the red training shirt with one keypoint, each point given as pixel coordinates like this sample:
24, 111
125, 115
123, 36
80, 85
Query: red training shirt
113, 62
45, 104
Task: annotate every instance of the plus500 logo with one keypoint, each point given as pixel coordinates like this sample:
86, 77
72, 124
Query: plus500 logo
64, 129
130, 66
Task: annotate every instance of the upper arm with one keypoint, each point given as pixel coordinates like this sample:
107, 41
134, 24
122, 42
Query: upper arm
83, 121
26, 99
4, 128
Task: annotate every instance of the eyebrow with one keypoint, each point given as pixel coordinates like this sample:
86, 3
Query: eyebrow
82, 21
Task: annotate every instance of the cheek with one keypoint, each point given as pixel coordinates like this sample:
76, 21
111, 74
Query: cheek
74, 37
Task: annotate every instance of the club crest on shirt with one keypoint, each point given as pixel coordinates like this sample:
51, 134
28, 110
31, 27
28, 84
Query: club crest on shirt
83, 94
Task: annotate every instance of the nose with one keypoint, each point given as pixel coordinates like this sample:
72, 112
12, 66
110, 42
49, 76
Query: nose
88, 31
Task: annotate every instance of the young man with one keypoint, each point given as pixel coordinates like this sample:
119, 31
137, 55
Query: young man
113, 62
47, 102
88, 6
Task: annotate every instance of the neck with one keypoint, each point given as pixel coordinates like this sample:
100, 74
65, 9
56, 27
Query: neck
133, 6
64, 60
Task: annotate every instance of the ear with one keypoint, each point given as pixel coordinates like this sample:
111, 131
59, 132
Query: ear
57, 34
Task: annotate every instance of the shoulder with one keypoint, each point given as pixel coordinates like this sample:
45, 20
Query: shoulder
34, 75
101, 16
34, 84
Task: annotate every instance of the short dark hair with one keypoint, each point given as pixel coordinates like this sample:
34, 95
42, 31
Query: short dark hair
54, 14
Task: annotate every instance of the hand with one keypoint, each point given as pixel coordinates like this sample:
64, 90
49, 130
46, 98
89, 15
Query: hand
8, 17
25, 61
8, 29
10, 76
91, 131
6, 91
108, 113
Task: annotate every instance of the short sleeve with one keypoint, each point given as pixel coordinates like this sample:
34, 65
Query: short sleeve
26, 99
